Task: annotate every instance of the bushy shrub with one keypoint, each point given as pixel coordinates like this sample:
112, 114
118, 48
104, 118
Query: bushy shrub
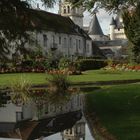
58, 88
90, 64
69, 67
64, 63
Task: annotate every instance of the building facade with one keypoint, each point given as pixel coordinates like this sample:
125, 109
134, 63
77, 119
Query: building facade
11, 114
59, 34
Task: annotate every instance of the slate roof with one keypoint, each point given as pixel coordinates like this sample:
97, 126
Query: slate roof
41, 20
95, 28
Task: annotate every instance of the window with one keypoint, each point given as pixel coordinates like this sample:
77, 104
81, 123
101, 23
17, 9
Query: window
87, 48
70, 43
65, 42
59, 40
68, 9
79, 44
64, 10
53, 39
45, 40
53, 42
19, 116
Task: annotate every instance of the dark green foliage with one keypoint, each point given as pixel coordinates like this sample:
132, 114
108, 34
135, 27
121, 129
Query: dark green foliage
64, 63
90, 64
15, 21
108, 4
132, 30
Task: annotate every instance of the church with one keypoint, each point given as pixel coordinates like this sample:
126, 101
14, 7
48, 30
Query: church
61, 33
64, 33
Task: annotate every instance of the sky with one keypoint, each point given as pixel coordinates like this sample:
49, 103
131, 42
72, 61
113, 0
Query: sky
103, 17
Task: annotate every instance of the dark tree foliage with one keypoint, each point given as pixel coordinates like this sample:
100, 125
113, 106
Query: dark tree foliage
110, 5
132, 30
15, 22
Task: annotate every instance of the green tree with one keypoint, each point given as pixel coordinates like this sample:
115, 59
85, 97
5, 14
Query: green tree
132, 30
15, 22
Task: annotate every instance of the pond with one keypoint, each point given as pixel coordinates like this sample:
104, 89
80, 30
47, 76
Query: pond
45, 121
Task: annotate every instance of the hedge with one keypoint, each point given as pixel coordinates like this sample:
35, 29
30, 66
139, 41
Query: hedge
90, 64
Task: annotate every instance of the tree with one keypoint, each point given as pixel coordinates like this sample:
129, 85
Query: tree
132, 30
15, 22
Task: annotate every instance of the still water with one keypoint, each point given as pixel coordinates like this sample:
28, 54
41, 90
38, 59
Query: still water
58, 136
45, 121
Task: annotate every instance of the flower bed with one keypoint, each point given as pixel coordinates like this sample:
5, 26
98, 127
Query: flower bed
122, 67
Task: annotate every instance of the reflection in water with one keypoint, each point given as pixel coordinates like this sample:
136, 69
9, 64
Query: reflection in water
50, 122
79, 131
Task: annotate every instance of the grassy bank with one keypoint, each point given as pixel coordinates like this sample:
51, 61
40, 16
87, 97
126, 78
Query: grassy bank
118, 109
87, 76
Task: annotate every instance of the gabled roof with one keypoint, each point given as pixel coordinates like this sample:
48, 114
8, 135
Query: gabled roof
53, 22
95, 28
41, 20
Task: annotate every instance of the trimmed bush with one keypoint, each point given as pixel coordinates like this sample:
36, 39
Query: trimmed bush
90, 64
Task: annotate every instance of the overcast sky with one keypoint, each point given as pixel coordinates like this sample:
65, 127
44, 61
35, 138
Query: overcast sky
103, 17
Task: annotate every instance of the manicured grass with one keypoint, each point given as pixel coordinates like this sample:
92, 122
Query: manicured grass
118, 108
34, 78
101, 75
87, 76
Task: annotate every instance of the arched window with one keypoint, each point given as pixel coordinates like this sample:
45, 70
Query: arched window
45, 40
64, 9
68, 9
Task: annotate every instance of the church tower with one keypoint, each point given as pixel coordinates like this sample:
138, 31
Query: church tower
75, 13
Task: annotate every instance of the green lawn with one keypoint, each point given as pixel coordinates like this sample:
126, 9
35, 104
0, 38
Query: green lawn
101, 75
118, 108
87, 76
